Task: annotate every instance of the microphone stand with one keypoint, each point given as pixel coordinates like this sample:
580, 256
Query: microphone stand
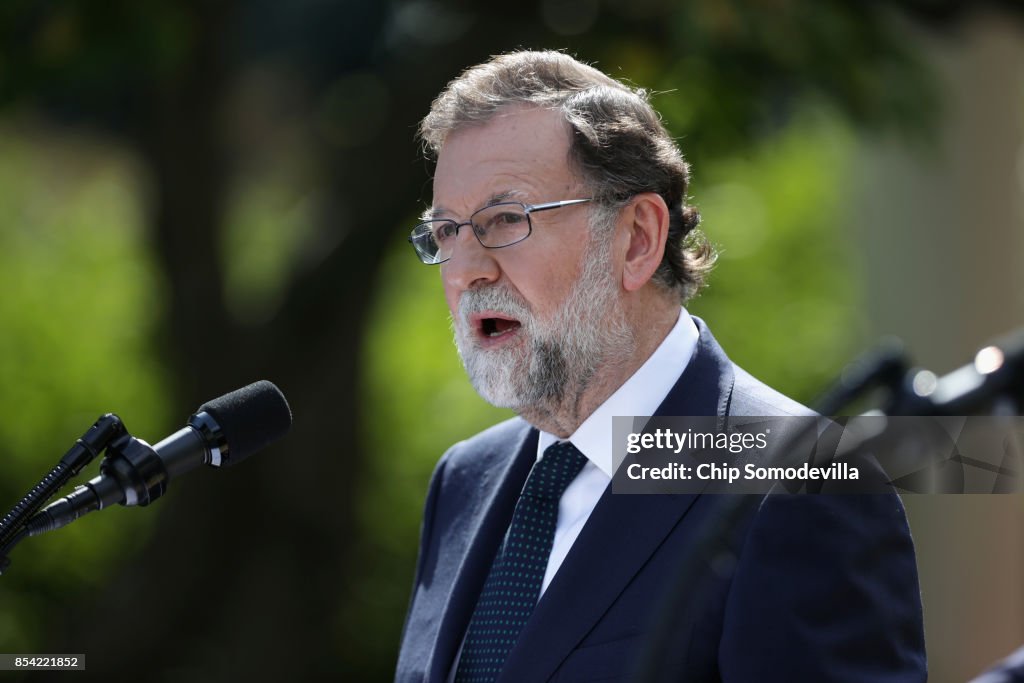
135, 475
992, 384
94, 441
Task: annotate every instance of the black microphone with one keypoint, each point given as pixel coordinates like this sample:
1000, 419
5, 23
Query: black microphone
222, 432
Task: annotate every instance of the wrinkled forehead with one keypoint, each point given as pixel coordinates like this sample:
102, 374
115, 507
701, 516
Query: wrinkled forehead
500, 197
521, 154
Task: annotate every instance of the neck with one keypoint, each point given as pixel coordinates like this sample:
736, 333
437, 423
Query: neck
563, 414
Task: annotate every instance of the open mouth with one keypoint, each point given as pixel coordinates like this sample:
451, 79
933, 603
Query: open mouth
494, 326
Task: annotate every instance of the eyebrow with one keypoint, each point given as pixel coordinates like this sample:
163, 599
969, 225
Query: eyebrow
437, 212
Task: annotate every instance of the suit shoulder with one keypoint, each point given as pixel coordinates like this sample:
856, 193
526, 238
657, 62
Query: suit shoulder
751, 396
489, 447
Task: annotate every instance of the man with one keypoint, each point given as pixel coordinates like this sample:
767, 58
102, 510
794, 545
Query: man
565, 244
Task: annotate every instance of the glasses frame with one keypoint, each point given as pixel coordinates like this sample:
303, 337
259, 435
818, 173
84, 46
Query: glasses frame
527, 209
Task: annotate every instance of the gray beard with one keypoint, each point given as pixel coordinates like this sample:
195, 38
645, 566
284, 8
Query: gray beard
561, 357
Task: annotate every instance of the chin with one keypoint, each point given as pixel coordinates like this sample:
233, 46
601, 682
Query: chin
498, 390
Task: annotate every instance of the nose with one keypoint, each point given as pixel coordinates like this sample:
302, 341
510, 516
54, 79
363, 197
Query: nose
471, 264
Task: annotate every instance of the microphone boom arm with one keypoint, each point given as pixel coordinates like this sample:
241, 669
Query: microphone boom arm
107, 428
221, 433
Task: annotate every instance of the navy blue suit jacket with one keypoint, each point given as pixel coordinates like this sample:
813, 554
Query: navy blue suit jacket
824, 589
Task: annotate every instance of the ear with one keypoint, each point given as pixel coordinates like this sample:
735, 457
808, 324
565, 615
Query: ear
646, 230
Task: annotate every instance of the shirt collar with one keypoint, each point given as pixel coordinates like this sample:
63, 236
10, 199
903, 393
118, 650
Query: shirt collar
641, 394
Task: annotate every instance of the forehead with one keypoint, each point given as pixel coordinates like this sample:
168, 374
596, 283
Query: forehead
521, 153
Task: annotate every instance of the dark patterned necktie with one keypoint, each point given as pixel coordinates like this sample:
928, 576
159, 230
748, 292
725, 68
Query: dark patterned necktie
513, 586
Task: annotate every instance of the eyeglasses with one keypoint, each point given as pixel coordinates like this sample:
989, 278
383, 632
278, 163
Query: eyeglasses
495, 226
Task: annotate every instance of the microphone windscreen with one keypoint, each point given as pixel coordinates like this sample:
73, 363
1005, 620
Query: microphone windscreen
250, 418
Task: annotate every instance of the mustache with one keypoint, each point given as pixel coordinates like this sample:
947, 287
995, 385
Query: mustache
494, 298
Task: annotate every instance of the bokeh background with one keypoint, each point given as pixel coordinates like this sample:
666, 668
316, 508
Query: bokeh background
196, 194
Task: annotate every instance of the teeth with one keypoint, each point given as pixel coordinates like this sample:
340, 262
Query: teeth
494, 334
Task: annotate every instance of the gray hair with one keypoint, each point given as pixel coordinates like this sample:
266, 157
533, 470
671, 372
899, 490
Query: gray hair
619, 145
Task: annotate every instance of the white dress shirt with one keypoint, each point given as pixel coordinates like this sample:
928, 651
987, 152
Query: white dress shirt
641, 394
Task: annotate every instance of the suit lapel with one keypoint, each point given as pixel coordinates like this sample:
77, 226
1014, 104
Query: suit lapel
496, 489
621, 535
705, 388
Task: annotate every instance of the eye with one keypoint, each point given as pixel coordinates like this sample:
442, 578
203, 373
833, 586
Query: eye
443, 231
507, 218
501, 221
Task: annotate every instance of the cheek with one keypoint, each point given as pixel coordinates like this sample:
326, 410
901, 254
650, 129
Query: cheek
543, 290
451, 297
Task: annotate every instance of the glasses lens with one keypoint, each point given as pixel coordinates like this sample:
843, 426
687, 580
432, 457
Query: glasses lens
434, 240
501, 224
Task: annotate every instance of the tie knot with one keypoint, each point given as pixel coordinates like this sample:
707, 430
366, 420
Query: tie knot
551, 475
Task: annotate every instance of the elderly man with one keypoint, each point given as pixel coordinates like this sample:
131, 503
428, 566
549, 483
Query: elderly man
565, 244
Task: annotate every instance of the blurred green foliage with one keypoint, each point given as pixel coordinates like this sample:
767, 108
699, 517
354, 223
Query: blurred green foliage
80, 300
787, 271
267, 224
77, 50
